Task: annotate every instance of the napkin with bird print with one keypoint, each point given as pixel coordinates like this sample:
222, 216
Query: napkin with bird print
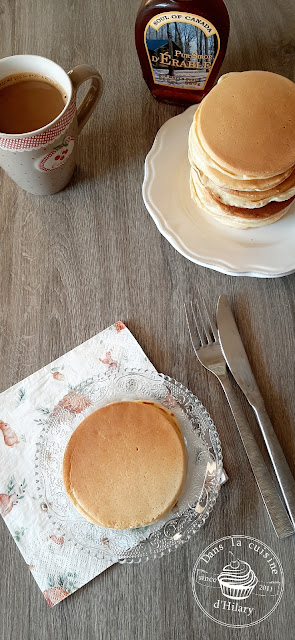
60, 560
62, 549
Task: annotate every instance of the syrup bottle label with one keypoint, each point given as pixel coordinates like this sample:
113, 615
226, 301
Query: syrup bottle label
181, 49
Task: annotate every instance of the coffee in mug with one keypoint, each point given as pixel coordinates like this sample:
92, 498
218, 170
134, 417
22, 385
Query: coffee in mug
40, 122
29, 101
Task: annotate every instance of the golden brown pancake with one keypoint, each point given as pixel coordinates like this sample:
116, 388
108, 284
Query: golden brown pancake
242, 149
250, 199
246, 123
238, 217
124, 466
200, 159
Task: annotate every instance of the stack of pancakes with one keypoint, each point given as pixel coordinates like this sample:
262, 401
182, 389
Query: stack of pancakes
125, 464
242, 149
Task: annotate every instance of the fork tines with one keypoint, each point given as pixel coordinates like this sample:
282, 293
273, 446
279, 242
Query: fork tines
197, 325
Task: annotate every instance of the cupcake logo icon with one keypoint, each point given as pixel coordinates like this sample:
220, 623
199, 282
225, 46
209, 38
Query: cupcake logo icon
238, 581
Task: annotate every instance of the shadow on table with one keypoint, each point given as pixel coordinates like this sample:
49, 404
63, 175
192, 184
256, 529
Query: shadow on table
120, 142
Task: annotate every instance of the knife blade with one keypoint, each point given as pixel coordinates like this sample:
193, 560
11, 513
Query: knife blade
238, 363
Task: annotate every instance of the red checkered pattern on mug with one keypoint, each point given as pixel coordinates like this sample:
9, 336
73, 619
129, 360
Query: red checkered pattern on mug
33, 142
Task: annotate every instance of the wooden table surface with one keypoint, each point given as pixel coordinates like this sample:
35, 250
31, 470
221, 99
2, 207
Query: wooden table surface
73, 263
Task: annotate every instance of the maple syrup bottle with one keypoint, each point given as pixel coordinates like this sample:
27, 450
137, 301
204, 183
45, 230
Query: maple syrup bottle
181, 45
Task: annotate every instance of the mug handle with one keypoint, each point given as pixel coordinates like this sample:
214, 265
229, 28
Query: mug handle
78, 75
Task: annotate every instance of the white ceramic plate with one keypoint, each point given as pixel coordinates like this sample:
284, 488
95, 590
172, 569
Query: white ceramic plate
266, 252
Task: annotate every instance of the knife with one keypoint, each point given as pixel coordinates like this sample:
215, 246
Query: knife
238, 363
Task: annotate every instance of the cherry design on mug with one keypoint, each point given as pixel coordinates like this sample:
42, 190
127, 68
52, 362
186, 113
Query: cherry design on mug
58, 156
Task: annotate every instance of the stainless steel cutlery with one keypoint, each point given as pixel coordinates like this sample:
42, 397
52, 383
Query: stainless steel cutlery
205, 340
238, 363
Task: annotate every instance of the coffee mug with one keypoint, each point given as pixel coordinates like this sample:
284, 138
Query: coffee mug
42, 161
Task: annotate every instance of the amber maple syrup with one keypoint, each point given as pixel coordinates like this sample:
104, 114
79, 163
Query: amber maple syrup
181, 45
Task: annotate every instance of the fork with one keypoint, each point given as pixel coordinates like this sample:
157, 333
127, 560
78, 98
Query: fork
204, 338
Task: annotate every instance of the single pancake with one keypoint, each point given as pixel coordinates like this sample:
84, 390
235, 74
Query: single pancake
237, 217
246, 123
199, 159
124, 466
250, 199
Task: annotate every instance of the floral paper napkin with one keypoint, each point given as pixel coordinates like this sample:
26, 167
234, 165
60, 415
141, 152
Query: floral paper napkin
32, 441
58, 565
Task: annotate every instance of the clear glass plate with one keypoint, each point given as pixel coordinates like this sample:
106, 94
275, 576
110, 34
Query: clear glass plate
204, 466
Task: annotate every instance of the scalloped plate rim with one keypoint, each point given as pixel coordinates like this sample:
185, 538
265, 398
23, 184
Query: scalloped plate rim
220, 264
